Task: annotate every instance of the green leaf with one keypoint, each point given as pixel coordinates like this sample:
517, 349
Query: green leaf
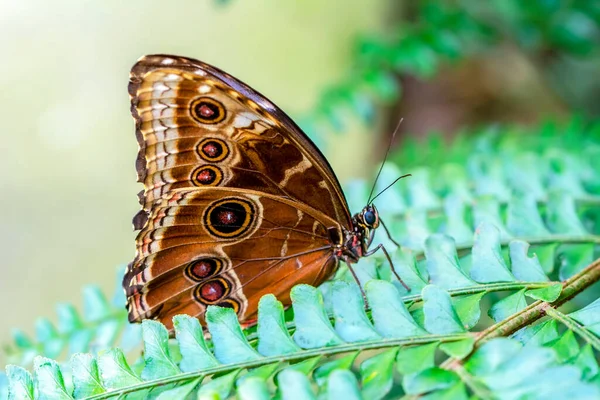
21, 339
454, 392
455, 208
351, 321
406, 267
383, 84
548, 293
96, 308
458, 349
68, 318
263, 372
546, 254
586, 361
378, 374
390, 316
414, 359
504, 365
322, 373
442, 263
49, 380
70, 323
253, 388
195, 355
273, 336
440, 316
391, 201
589, 316
20, 383
159, 363
294, 385
523, 216
220, 386
492, 355
574, 258
508, 306
562, 216
420, 193
487, 208
525, 268
47, 334
115, 373
313, 328
431, 379
566, 347
342, 384
575, 31
488, 264
230, 344
130, 338
538, 334
468, 309
181, 391
95, 305
306, 366
86, 377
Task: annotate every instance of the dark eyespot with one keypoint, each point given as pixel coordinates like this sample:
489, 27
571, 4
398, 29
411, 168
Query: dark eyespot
230, 218
369, 217
207, 111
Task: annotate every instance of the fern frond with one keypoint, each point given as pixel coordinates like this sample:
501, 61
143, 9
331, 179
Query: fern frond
103, 325
396, 329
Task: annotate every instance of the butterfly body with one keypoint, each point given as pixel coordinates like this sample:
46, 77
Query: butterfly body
237, 201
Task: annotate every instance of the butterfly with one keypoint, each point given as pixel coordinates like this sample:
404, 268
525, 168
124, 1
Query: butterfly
237, 202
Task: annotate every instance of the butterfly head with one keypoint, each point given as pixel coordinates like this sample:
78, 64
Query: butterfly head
369, 217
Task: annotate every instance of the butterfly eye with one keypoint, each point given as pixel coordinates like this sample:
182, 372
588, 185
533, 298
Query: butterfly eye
369, 217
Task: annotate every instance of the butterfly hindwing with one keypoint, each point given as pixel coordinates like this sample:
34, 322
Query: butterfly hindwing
223, 246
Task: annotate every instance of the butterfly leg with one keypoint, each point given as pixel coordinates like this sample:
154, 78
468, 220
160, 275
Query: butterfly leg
389, 235
380, 246
362, 292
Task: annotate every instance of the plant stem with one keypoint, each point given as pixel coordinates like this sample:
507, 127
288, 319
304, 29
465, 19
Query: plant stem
575, 326
571, 287
301, 355
478, 389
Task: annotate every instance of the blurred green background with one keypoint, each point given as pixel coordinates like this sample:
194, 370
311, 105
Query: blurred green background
347, 70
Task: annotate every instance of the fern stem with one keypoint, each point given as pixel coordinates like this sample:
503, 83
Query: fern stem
571, 287
477, 388
575, 327
487, 288
327, 351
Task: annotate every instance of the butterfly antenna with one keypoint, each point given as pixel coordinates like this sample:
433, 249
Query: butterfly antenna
384, 158
389, 186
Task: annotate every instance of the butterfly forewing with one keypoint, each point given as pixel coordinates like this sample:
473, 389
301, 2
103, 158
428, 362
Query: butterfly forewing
237, 201
197, 126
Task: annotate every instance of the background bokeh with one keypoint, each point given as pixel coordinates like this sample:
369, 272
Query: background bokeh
68, 179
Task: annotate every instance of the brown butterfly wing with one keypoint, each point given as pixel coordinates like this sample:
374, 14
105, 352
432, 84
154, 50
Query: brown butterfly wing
205, 135
198, 126
228, 247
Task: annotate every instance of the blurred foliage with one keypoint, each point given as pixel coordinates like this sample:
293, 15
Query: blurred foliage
433, 32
